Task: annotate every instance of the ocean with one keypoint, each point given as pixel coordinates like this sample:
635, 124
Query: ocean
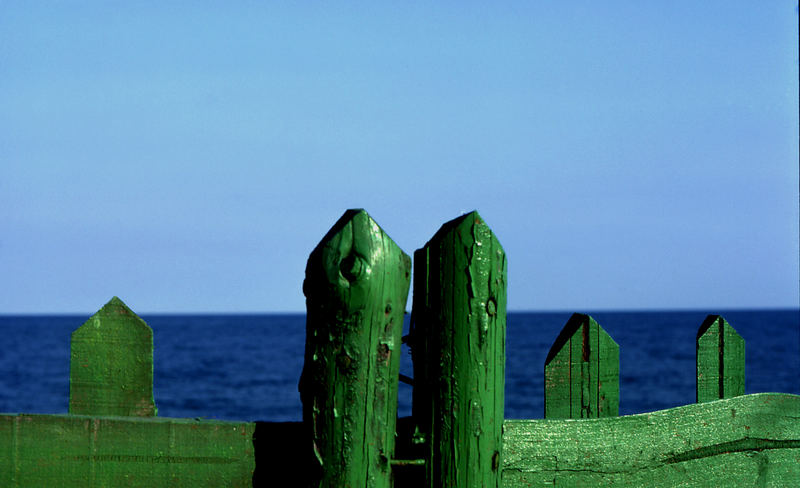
246, 367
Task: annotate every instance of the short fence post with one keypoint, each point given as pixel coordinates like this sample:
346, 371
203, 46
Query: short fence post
111, 365
356, 288
720, 360
458, 348
582, 372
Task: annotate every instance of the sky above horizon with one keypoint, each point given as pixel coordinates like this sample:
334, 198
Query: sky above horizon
187, 157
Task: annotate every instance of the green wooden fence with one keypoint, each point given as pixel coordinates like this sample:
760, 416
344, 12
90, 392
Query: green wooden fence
356, 286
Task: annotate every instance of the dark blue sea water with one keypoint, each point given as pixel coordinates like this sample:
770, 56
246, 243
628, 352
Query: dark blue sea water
241, 367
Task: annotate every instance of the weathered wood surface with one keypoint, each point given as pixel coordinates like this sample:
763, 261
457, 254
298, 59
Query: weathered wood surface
720, 360
356, 288
111, 366
458, 347
80, 451
581, 372
751, 440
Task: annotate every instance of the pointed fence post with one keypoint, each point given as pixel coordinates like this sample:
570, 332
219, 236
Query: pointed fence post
356, 288
458, 349
720, 360
111, 365
581, 372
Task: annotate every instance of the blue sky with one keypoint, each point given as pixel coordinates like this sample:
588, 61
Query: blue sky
188, 156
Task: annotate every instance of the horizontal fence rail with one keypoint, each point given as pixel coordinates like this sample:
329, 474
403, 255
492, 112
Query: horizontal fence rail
356, 287
751, 440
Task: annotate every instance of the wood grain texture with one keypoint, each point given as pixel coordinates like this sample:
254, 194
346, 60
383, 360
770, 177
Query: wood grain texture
751, 440
356, 288
720, 360
582, 372
80, 451
458, 349
111, 364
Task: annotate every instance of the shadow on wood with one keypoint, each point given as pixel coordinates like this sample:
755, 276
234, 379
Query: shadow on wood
282, 451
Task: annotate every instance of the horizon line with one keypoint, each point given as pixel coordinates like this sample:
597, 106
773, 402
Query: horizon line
709, 310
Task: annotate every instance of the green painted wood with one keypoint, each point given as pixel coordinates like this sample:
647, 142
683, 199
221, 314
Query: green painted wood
582, 372
111, 365
720, 360
87, 451
458, 348
751, 440
356, 288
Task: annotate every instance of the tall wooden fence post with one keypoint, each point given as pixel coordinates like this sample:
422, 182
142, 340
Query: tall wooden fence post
111, 365
581, 372
458, 348
356, 288
720, 360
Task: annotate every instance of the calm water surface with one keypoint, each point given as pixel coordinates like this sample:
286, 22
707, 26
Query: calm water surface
243, 367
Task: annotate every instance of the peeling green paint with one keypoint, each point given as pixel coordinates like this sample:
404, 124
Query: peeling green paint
701, 445
356, 288
458, 348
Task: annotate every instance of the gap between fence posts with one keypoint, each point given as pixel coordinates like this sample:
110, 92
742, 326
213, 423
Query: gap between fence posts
356, 287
